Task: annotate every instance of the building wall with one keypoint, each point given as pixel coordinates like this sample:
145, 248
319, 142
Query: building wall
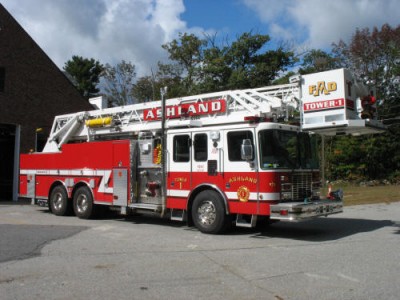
35, 90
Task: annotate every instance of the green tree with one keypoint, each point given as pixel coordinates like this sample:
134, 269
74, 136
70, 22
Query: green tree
374, 56
144, 89
346, 158
85, 74
200, 65
119, 81
285, 78
252, 64
215, 68
186, 52
171, 76
317, 60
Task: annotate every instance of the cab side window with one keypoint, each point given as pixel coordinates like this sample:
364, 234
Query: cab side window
181, 148
235, 140
200, 147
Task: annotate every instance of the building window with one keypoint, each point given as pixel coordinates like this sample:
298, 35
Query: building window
2, 78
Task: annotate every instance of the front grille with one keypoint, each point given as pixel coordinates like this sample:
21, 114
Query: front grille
301, 185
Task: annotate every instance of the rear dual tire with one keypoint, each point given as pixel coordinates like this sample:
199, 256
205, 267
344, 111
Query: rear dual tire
59, 203
84, 207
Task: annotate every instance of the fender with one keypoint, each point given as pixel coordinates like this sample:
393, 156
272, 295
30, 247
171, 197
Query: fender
83, 183
203, 187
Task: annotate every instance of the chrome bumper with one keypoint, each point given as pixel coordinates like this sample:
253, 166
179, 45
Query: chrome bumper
298, 211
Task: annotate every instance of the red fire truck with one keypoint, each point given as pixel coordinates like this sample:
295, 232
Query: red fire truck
212, 160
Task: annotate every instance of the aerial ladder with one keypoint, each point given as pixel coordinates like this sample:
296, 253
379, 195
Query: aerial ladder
328, 103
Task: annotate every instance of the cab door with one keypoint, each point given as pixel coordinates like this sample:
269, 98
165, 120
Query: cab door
204, 162
192, 160
179, 167
241, 175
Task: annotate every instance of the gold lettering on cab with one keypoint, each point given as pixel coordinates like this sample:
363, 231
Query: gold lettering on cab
243, 179
180, 180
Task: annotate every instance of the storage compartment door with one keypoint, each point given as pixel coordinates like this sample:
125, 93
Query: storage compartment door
120, 196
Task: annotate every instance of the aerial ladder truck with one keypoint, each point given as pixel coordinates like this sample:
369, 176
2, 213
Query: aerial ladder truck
213, 160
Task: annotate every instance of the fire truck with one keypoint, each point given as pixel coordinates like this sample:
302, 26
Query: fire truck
212, 160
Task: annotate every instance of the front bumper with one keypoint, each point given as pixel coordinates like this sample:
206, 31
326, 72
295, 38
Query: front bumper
298, 211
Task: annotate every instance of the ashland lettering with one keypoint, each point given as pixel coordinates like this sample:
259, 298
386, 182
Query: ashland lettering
186, 110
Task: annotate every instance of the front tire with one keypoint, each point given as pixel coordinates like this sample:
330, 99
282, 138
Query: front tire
208, 213
83, 203
58, 202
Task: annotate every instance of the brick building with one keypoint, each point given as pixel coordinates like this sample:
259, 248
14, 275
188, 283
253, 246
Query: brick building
32, 91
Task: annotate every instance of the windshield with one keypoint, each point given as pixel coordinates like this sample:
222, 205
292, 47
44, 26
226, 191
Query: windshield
287, 150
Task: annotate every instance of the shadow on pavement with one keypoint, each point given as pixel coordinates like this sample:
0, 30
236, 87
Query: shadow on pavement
31, 239
21, 201
318, 230
321, 230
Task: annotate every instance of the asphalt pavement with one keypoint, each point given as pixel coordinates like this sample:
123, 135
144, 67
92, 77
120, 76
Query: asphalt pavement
353, 255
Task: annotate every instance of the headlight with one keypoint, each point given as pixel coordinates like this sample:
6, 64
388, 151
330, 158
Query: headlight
286, 195
286, 187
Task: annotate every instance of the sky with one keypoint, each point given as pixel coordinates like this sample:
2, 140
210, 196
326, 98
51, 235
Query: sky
134, 30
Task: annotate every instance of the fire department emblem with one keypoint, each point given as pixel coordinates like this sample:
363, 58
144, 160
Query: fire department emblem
243, 193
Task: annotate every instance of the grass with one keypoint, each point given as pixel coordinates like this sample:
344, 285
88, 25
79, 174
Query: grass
357, 195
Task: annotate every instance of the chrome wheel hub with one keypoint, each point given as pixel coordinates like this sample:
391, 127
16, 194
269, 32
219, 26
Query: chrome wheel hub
82, 203
207, 213
58, 201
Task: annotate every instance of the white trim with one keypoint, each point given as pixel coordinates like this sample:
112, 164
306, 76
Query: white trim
234, 196
103, 187
178, 193
253, 196
230, 195
104, 174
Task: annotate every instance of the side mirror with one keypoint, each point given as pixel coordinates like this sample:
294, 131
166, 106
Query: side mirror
246, 151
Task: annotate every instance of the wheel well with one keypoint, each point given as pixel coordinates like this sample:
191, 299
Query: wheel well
79, 185
197, 191
53, 186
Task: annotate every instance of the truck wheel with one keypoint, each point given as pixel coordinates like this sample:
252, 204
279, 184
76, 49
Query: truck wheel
83, 203
208, 213
59, 204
